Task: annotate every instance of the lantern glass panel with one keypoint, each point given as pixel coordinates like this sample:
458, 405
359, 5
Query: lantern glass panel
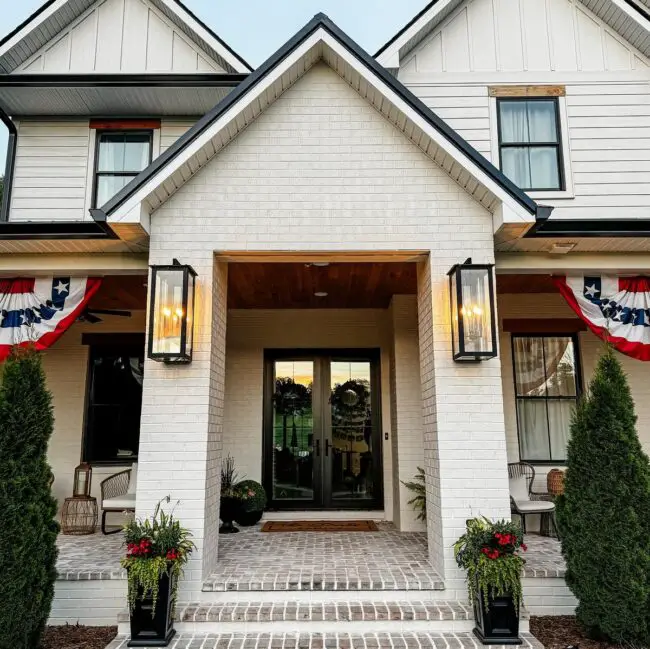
168, 313
190, 314
82, 480
476, 310
453, 284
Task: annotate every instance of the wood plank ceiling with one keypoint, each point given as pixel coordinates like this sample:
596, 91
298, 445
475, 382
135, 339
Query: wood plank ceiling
122, 292
293, 286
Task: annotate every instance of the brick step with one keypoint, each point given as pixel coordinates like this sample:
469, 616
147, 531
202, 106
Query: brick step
275, 640
323, 617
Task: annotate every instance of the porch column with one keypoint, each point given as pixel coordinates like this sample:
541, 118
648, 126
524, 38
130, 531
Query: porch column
464, 432
181, 426
406, 407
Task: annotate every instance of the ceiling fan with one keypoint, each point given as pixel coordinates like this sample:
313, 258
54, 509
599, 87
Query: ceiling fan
91, 316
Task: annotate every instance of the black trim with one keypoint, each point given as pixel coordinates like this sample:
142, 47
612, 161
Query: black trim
56, 230
575, 228
322, 21
112, 339
408, 25
10, 165
575, 340
47, 4
640, 10
121, 80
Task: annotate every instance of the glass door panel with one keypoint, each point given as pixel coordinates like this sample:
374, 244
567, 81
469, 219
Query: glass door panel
293, 431
352, 433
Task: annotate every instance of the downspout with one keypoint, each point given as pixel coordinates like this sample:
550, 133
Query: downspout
9, 165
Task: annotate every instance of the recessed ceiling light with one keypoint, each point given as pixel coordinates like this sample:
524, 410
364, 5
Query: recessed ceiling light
321, 294
321, 264
562, 248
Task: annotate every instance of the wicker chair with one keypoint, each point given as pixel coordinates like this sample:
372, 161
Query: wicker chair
525, 501
117, 496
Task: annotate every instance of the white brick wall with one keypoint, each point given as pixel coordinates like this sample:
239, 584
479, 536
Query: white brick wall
322, 170
95, 602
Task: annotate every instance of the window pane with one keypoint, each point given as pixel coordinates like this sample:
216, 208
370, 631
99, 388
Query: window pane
108, 186
544, 173
136, 153
111, 152
559, 415
515, 162
541, 121
514, 121
560, 367
533, 429
530, 377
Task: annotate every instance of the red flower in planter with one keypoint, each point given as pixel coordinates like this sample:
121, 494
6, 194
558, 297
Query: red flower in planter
172, 555
524, 547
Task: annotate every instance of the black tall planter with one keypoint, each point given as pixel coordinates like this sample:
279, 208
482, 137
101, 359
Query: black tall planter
156, 631
497, 623
228, 511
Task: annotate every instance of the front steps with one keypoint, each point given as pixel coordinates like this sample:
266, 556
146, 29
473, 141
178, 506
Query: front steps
304, 617
372, 640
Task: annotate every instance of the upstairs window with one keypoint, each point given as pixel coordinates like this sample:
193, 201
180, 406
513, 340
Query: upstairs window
120, 157
547, 385
530, 150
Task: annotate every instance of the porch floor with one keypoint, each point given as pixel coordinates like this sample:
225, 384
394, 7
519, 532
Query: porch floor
253, 560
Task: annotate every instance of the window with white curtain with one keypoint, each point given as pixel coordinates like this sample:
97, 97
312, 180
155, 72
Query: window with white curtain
120, 157
547, 384
530, 144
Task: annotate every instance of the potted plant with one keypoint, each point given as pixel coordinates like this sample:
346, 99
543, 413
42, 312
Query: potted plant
231, 500
253, 502
156, 550
490, 553
419, 489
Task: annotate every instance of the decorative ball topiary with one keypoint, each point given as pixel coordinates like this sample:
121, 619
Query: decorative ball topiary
253, 502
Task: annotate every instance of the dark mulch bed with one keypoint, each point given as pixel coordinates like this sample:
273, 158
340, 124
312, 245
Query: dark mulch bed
558, 632
72, 636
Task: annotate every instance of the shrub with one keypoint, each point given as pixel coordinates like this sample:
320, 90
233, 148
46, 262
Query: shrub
419, 489
490, 554
604, 515
252, 495
28, 528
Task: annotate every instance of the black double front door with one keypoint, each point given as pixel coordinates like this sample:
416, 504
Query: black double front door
322, 429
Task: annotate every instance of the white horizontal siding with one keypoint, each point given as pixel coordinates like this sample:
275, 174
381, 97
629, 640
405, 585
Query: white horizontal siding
51, 167
171, 130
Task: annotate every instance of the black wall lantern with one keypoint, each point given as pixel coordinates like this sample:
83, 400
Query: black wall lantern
473, 317
171, 313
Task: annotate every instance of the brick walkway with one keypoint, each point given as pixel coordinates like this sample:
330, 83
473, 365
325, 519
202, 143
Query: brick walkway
294, 561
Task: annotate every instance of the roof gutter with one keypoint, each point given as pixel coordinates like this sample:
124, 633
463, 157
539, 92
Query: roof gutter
10, 165
206, 80
592, 228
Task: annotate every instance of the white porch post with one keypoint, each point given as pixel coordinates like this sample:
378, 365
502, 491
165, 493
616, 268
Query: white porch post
181, 426
464, 433
406, 407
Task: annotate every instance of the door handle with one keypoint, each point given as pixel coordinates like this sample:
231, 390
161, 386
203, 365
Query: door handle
317, 448
327, 448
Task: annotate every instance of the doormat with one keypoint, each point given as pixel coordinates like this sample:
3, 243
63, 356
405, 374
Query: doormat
319, 526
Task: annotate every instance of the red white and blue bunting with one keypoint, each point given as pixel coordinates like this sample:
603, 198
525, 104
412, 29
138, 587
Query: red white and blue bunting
617, 309
37, 311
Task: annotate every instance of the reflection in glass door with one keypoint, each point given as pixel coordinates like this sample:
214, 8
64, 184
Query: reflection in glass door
322, 445
351, 427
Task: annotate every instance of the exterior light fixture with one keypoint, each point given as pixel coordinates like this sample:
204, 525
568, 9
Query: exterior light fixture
83, 475
171, 313
473, 317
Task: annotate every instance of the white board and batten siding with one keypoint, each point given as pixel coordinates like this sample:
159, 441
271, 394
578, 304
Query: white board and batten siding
54, 164
559, 42
120, 36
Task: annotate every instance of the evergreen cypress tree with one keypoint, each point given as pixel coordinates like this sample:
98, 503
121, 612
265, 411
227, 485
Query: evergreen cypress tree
604, 515
28, 528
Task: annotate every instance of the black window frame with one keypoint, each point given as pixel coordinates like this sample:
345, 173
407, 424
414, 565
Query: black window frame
109, 345
578, 378
113, 174
528, 145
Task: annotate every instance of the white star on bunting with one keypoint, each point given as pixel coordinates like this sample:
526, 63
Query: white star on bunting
591, 290
61, 287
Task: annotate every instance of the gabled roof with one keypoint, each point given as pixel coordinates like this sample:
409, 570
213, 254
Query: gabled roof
627, 17
320, 40
55, 15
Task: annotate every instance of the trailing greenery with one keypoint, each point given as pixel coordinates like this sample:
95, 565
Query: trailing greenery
419, 500
604, 514
490, 554
155, 546
28, 528
252, 495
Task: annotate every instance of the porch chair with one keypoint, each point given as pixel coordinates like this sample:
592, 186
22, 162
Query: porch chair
525, 501
118, 494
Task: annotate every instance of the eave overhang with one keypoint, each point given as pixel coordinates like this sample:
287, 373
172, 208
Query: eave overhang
581, 228
124, 95
320, 40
